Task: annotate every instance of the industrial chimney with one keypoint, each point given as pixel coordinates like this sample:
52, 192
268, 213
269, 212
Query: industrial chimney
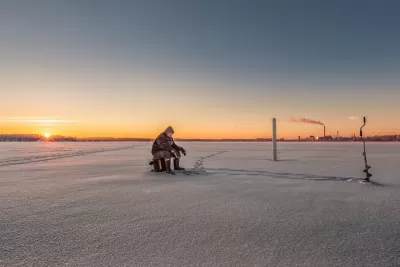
324, 130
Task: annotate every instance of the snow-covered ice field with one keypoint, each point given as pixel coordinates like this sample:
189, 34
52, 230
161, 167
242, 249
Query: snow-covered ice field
98, 204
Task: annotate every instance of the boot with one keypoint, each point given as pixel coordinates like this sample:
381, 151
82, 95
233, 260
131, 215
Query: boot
168, 167
176, 165
158, 165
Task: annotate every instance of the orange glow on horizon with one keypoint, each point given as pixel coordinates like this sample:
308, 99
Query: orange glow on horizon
179, 133
199, 129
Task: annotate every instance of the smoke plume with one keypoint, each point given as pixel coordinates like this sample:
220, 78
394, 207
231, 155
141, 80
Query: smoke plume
353, 118
304, 120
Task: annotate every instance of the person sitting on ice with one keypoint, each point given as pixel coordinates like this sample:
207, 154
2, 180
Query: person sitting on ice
165, 148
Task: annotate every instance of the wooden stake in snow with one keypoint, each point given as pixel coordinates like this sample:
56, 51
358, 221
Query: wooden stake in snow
274, 150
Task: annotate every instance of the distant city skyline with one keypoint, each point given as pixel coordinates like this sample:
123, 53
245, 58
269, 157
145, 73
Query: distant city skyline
210, 69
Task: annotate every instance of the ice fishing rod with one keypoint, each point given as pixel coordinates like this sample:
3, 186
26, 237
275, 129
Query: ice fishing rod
368, 175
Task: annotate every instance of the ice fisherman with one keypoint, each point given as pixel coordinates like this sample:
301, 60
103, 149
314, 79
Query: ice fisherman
165, 148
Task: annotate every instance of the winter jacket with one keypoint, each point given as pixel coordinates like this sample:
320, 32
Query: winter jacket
163, 142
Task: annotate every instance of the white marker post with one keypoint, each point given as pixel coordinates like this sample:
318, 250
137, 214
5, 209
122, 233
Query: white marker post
274, 150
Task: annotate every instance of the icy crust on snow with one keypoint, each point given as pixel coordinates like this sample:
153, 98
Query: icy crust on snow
14, 154
98, 204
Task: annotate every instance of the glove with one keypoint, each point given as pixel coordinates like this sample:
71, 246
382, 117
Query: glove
183, 151
174, 154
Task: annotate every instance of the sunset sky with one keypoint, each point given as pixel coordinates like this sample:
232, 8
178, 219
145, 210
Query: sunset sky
211, 69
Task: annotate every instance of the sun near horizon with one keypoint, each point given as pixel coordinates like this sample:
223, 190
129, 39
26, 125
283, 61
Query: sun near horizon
220, 126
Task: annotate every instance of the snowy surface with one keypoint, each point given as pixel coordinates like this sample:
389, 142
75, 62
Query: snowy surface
98, 204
